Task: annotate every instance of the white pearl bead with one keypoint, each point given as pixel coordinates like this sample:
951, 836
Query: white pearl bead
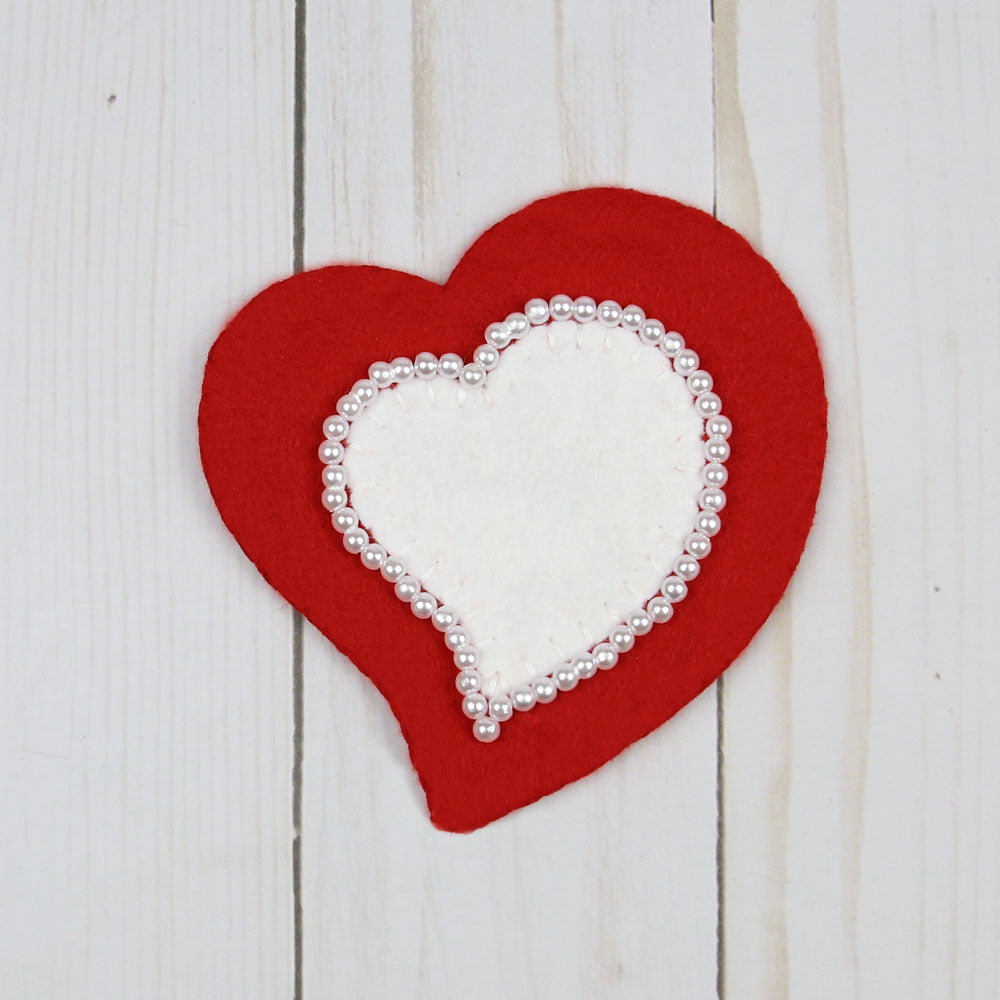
444, 618
355, 540
609, 313
714, 474
474, 705
336, 427
381, 374
605, 655
686, 567
545, 690
652, 332
486, 356
334, 499
423, 605
486, 730
402, 369
585, 667
501, 708
622, 638
672, 344
331, 452
349, 406
719, 426
708, 404
584, 309
497, 335
633, 318
455, 637
639, 622
518, 325
473, 375
393, 569
698, 544
344, 519
674, 589
407, 587
365, 390
524, 697
660, 610
717, 449
699, 381
708, 523
537, 311
711, 498
686, 361
466, 657
334, 476
561, 307
450, 365
373, 556
565, 677
425, 365
469, 681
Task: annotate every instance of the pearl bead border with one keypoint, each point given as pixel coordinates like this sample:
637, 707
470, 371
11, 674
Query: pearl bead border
488, 713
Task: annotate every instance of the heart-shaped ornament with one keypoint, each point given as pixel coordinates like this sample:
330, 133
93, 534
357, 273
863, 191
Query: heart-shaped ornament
532, 504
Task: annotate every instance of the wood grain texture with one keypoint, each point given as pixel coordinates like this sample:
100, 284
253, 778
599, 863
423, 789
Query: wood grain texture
146, 713
860, 754
428, 126
145, 716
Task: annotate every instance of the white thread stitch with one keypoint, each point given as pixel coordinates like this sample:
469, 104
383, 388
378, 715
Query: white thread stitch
484, 699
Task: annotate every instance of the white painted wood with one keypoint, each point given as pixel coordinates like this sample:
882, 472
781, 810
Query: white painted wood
861, 746
145, 710
419, 135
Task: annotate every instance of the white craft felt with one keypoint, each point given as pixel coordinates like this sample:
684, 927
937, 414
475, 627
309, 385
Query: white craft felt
543, 506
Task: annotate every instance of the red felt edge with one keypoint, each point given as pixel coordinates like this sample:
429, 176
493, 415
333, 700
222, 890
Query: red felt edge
278, 367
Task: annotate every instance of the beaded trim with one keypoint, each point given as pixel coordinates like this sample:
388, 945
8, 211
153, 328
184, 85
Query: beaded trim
487, 714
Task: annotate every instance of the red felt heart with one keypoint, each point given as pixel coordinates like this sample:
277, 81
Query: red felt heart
277, 369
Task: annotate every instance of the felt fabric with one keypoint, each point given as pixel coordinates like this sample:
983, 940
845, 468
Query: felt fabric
278, 367
543, 506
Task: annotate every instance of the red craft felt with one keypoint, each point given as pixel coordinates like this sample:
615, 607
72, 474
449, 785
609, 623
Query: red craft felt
277, 369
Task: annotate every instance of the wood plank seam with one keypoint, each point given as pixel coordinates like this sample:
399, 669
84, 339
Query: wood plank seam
298, 666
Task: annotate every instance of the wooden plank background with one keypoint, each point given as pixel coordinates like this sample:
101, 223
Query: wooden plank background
201, 798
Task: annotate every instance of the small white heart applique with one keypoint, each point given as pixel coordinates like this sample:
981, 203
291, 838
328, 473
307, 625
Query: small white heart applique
543, 505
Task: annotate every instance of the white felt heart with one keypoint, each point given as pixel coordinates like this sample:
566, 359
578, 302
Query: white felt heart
544, 505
